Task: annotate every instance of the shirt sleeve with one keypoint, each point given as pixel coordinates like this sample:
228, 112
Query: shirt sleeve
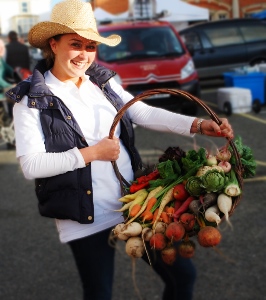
152, 117
30, 149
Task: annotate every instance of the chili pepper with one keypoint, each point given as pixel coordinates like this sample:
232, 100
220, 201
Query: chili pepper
137, 186
153, 175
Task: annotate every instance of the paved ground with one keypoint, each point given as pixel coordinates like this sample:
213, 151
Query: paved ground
35, 266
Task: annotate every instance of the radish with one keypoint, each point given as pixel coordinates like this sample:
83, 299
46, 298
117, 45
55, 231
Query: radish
209, 236
158, 241
212, 214
135, 247
175, 231
146, 234
169, 255
186, 249
225, 165
225, 203
223, 154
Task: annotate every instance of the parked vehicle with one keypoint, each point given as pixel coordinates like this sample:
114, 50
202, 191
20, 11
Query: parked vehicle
151, 55
221, 46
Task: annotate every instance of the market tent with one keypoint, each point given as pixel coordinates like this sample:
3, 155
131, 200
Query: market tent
178, 11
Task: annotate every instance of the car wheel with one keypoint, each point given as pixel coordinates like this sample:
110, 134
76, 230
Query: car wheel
227, 108
256, 106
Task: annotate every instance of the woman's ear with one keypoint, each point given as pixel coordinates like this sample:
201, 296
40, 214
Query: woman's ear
52, 43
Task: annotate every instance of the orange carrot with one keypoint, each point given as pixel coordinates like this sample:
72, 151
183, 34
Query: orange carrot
165, 217
147, 215
151, 202
135, 209
155, 214
170, 210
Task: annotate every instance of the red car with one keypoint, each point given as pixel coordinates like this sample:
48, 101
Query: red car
151, 55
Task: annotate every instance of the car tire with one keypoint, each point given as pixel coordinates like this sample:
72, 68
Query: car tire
256, 106
227, 108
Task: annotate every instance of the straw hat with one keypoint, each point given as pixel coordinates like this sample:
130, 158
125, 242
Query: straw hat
69, 16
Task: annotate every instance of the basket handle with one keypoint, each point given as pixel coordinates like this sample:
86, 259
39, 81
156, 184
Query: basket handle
175, 92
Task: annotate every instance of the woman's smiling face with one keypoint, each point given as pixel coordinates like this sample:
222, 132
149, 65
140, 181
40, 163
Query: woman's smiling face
73, 56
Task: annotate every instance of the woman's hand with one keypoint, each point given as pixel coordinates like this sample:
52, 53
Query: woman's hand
211, 128
107, 150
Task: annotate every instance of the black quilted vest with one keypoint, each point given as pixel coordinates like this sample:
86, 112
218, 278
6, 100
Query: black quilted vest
70, 195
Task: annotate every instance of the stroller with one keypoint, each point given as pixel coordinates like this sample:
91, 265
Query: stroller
7, 133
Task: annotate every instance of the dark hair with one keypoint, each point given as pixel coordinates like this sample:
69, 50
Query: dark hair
48, 54
12, 35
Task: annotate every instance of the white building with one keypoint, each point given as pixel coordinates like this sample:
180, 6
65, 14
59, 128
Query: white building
21, 15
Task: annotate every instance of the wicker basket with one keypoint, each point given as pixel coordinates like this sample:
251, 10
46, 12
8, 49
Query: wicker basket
188, 96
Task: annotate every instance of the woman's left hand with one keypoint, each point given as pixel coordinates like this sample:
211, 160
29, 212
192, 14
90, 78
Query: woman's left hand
211, 128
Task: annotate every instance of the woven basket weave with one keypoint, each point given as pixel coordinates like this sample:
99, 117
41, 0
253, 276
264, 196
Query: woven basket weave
238, 166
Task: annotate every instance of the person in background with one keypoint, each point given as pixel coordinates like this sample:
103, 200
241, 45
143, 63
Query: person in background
6, 71
17, 53
62, 120
18, 57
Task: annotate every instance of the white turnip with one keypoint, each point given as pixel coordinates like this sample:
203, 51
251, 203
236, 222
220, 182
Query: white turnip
225, 203
146, 234
135, 247
118, 232
160, 227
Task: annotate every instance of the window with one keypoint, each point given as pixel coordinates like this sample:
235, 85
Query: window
248, 33
224, 36
191, 39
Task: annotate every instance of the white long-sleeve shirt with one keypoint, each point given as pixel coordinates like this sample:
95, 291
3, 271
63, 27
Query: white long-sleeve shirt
95, 116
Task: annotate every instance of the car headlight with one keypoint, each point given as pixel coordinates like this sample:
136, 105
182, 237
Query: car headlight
188, 69
117, 78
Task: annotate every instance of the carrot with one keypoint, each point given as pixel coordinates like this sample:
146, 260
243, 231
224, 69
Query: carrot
147, 215
144, 205
135, 209
150, 203
155, 215
165, 217
165, 200
184, 207
169, 210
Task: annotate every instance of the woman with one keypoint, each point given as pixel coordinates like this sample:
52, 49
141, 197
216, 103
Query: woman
62, 118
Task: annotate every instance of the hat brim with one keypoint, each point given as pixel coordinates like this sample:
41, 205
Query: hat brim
40, 33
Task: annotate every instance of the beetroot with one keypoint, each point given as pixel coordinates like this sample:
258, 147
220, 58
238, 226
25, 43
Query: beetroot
186, 249
188, 221
175, 231
158, 241
169, 255
209, 236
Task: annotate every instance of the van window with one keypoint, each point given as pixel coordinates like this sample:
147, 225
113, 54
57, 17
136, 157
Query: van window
191, 39
141, 43
248, 33
224, 36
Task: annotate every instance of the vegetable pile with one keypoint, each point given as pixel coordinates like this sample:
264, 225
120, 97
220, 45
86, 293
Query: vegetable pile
187, 194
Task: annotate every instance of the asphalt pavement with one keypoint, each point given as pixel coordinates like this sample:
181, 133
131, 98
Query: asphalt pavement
34, 265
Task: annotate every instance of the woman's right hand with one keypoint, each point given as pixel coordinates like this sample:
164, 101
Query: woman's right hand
106, 149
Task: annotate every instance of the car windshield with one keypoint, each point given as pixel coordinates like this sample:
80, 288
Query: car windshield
141, 43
